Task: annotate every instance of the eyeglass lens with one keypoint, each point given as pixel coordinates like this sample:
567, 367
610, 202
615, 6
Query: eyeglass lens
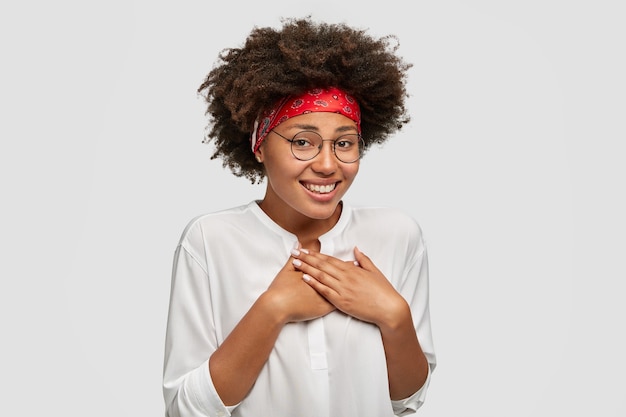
307, 145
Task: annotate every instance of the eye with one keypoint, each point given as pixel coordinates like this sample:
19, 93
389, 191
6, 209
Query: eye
346, 142
305, 140
301, 142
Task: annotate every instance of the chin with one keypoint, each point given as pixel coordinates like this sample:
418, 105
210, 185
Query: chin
321, 213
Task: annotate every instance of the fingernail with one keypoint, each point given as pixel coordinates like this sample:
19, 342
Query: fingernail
306, 277
305, 251
295, 252
356, 263
296, 262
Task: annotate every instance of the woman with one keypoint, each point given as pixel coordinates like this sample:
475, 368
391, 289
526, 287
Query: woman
298, 304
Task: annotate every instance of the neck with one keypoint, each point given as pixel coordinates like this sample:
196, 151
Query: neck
307, 229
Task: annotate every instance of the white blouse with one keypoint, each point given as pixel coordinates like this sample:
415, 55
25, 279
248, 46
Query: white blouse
330, 366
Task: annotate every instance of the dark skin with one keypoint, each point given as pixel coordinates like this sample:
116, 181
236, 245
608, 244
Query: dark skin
283, 63
236, 364
363, 292
311, 284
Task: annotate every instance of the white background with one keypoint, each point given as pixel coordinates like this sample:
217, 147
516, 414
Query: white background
512, 164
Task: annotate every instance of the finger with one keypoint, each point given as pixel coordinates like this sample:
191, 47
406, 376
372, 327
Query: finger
313, 272
289, 264
363, 260
325, 291
324, 273
319, 261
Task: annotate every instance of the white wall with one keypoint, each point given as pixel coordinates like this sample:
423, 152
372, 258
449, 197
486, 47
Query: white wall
512, 165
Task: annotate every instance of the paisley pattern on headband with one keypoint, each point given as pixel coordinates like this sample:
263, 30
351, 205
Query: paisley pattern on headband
316, 100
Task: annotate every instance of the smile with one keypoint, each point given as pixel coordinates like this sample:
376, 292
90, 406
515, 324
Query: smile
320, 189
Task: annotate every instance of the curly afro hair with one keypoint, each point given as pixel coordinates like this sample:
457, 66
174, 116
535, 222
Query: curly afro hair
301, 55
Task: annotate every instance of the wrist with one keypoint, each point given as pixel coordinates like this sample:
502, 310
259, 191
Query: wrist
270, 307
397, 317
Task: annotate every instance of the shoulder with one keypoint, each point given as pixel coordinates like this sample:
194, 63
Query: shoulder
389, 224
381, 217
213, 224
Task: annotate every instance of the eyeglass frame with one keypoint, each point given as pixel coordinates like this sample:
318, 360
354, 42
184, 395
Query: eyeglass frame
360, 145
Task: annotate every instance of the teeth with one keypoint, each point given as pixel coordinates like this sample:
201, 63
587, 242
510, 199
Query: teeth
322, 189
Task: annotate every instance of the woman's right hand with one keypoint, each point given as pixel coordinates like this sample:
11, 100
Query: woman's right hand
237, 362
293, 298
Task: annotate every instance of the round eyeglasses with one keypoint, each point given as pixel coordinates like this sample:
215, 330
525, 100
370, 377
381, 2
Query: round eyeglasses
306, 145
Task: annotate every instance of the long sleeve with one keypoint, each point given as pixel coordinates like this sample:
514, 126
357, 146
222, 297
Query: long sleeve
415, 289
190, 340
225, 260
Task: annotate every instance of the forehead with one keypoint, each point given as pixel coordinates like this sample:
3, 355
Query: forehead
319, 121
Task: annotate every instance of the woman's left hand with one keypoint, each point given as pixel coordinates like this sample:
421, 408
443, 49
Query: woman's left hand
357, 288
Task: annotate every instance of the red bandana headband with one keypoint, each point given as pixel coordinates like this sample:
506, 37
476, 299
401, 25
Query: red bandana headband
317, 100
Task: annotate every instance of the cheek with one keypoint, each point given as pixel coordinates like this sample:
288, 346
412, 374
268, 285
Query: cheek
352, 170
281, 172
281, 167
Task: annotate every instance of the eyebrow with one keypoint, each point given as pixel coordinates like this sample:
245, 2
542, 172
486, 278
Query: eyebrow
340, 129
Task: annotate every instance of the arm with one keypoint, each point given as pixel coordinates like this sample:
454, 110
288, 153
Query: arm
236, 364
228, 371
407, 366
363, 292
190, 339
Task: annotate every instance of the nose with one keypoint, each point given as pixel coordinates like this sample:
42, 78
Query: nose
326, 161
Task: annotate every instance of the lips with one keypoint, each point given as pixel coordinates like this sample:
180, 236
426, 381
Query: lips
320, 189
